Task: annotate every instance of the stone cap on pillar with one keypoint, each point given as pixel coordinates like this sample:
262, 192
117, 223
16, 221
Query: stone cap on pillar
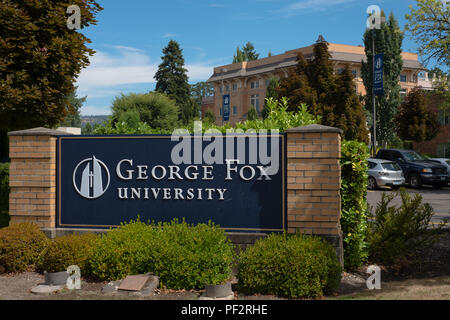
40, 131
313, 128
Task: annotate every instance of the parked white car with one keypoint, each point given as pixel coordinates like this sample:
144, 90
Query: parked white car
385, 173
445, 162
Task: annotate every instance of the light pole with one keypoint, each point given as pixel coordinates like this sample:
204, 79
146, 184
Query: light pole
374, 22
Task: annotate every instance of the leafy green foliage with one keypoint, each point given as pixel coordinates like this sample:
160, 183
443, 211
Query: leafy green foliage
396, 234
252, 114
155, 109
67, 250
354, 177
172, 80
330, 95
388, 40
429, 25
293, 266
182, 255
40, 58
21, 246
73, 118
415, 121
248, 53
4, 194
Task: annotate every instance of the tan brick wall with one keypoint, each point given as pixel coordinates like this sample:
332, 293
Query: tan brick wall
313, 182
33, 180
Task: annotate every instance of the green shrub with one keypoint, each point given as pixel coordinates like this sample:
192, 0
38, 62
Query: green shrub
4, 194
191, 256
353, 221
293, 266
21, 246
183, 256
396, 234
123, 251
68, 250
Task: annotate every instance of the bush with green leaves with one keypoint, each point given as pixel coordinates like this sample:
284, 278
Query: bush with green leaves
64, 251
183, 256
289, 265
21, 245
354, 175
4, 194
397, 233
155, 109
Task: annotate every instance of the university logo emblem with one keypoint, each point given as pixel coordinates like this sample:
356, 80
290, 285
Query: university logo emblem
91, 185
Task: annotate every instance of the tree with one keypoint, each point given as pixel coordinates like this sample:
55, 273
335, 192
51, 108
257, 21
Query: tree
73, 119
40, 57
415, 121
209, 117
388, 40
330, 95
271, 92
429, 25
172, 80
252, 114
248, 53
199, 90
154, 108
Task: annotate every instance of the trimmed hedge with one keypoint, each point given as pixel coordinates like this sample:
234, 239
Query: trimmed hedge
182, 255
353, 221
293, 266
68, 250
21, 246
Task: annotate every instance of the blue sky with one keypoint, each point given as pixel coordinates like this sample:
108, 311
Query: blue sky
130, 36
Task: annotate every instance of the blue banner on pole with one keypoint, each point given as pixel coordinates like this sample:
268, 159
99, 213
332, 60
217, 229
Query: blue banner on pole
226, 107
378, 75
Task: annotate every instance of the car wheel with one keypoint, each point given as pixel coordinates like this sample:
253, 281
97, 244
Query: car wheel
372, 183
415, 181
395, 187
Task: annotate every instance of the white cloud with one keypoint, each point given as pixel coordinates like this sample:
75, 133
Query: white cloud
95, 111
169, 35
310, 5
112, 72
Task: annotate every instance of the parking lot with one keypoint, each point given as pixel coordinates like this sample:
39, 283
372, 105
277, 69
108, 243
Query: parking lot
439, 199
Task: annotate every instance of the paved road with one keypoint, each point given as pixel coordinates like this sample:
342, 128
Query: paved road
439, 199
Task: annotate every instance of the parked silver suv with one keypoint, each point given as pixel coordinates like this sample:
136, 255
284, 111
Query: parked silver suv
384, 173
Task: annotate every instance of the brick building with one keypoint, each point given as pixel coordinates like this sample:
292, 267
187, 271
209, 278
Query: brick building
246, 81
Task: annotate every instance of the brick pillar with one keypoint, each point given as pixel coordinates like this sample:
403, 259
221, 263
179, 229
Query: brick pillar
32, 176
314, 181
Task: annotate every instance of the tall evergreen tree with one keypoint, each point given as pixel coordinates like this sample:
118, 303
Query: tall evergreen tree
388, 40
248, 53
330, 95
415, 120
172, 80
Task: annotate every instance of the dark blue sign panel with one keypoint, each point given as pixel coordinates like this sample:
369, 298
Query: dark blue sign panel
226, 107
237, 182
378, 75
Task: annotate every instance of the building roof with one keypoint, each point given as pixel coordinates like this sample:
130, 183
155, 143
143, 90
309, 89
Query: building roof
339, 52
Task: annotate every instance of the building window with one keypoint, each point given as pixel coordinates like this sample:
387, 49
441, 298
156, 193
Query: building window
402, 93
254, 84
220, 89
355, 73
234, 110
403, 78
356, 88
227, 88
267, 82
220, 111
254, 101
235, 86
340, 70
